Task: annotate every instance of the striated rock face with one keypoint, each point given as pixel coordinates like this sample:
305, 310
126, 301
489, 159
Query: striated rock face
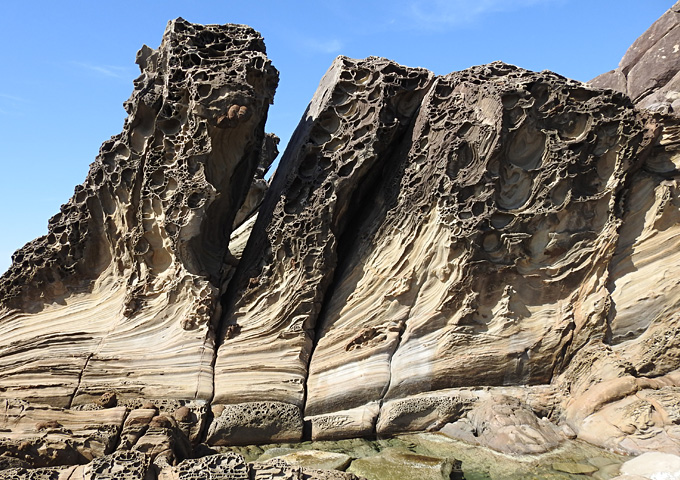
492, 254
493, 243
121, 292
277, 293
479, 265
649, 72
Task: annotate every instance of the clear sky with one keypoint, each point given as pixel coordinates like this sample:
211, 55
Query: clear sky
67, 66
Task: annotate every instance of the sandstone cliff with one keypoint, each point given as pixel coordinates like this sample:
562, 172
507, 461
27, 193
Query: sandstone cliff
492, 254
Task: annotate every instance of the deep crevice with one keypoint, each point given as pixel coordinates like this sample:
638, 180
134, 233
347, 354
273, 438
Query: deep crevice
361, 223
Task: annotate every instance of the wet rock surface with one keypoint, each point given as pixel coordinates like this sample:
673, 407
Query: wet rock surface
492, 254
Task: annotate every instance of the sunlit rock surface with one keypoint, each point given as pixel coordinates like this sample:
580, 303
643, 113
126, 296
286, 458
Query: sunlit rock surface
120, 294
648, 72
360, 108
492, 254
483, 258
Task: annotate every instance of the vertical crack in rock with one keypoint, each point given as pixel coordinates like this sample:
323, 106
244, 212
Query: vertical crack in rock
367, 206
80, 379
347, 420
121, 292
496, 246
277, 293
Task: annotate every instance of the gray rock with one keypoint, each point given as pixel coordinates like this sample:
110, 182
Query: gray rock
656, 67
256, 422
506, 425
647, 72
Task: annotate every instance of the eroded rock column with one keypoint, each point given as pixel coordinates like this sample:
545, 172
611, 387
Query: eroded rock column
357, 115
120, 294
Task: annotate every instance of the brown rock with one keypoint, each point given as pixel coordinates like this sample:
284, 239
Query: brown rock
183, 414
140, 247
107, 400
48, 436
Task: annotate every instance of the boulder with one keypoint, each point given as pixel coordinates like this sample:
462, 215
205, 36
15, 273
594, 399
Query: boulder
653, 465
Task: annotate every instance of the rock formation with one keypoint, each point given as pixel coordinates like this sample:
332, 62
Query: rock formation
121, 292
360, 108
648, 72
492, 254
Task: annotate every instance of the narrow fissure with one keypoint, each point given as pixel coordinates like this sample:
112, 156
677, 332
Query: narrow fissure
216, 324
355, 218
80, 379
376, 191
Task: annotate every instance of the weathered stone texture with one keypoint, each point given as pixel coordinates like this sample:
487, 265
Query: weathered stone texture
277, 293
493, 254
482, 258
121, 292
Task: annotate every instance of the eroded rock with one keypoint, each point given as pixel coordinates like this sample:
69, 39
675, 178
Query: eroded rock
314, 459
505, 424
481, 256
277, 293
255, 422
48, 436
130, 272
495, 250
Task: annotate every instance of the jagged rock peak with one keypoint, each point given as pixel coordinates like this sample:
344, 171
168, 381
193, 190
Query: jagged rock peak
140, 248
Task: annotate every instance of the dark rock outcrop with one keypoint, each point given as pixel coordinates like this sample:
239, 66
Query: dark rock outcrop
648, 73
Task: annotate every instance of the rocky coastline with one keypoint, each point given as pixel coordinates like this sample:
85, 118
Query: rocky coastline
484, 261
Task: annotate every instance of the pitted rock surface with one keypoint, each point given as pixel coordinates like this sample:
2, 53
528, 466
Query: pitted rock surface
276, 295
230, 466
255, 422
137, 254
494, 249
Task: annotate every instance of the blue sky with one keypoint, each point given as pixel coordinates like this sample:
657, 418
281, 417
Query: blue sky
67, 66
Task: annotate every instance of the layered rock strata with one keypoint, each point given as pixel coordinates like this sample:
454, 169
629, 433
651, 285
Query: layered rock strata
492, 233
357, 113
121, 292
492, 254
484, 249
